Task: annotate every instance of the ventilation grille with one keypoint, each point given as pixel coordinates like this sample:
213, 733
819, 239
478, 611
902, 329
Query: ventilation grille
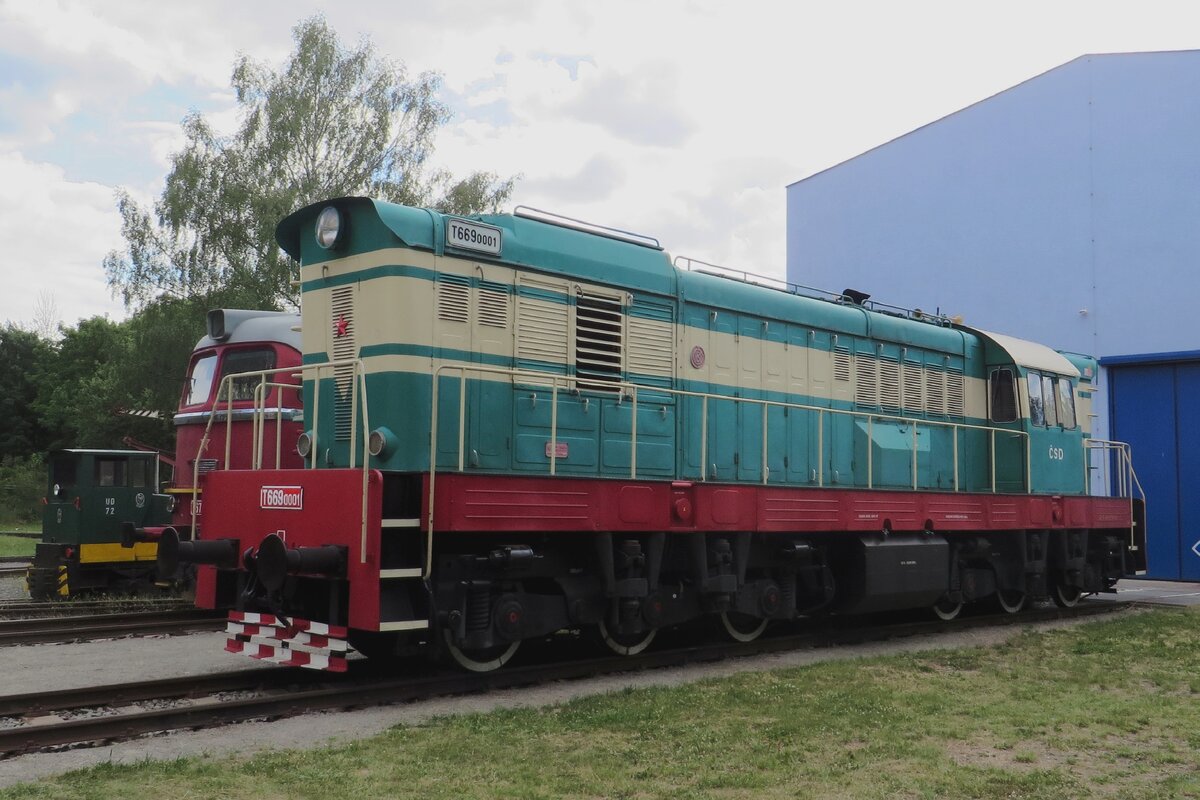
453, 299
599, 322
935, 391
889, 385
954, 394
651, 353
342, 314
541, 324
493, 305
914, 397
866, 390
841, 365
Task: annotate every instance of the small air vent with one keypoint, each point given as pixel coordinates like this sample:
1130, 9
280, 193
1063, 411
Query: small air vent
208, 465
841, 365
493, 305
453, 298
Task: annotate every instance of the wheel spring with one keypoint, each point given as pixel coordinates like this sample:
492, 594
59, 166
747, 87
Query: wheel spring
479, 607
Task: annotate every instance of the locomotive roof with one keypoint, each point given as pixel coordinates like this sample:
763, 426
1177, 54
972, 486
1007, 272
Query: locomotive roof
527, 241
1030, 355
257, 326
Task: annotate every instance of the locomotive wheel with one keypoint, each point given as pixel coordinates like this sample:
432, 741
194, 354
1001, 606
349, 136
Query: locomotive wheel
742, 627
626, 644
946, 609
1067, 596
485, 660
1010, 602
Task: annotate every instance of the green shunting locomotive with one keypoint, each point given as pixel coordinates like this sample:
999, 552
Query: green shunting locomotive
101, 511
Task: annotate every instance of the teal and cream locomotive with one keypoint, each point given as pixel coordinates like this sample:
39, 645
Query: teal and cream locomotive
516, 424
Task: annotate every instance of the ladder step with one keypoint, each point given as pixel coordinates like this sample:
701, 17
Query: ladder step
405, 625
411, 572
401, 523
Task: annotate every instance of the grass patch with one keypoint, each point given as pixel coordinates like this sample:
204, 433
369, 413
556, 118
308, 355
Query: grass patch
17, 546
1107, 709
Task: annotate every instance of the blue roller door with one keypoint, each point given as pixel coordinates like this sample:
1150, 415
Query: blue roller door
1154, 405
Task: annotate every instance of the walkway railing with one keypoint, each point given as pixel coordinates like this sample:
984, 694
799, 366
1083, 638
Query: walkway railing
316, 373
1121, 481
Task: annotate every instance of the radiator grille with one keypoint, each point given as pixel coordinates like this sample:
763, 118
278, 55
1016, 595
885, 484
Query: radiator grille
342, 313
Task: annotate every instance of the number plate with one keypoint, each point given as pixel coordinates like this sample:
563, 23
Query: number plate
473, 236
286, 498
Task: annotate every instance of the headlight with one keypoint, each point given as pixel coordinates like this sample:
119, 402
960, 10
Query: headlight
304, 444
170, 504
329, 224
57, 490
381, 443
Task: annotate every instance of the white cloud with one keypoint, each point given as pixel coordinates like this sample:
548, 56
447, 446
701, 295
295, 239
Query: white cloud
55, 233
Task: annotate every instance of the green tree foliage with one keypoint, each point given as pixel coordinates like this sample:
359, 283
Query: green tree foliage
23, 355
334, 121
86, 389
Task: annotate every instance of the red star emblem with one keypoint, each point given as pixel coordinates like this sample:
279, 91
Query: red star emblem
341, 327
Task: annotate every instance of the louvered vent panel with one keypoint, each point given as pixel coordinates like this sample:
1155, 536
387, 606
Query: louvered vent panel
342, 313
914, 385
954, 394
453, 299
889, 385
841, 365
650, 352
493, 304
541, 326
935, 391
866, 389
599, 326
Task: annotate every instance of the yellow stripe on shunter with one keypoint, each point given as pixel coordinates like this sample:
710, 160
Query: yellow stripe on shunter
113, 551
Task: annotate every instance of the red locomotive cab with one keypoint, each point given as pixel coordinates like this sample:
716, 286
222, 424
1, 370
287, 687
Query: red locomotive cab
219, 401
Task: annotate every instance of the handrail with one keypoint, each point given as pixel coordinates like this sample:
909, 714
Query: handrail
1126, 477
358, 399
624, 389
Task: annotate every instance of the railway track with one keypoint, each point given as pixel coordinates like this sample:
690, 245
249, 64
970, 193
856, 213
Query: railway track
102, 626
116, 712
24, 608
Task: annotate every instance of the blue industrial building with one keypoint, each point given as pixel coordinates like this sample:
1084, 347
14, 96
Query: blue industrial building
1064, 210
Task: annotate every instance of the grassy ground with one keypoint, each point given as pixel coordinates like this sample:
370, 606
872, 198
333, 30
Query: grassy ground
1108, 709
16, 545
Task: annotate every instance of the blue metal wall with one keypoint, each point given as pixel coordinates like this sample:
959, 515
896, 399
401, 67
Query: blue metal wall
1062, 210
1155, 406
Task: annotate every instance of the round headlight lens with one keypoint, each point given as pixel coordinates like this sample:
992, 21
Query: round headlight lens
329, 224
304, 444
57, 490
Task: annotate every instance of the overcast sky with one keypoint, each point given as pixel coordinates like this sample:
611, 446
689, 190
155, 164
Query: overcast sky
681, 120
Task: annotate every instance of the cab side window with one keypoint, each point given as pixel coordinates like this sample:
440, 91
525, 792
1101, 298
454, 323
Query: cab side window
1049, 401
1004, 396
1037, 414
110, 472
1066, 404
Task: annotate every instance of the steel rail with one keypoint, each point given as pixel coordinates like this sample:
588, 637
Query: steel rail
389, 690
73, 628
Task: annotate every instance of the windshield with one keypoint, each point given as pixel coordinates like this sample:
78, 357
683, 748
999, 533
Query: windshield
247, 361
200, 381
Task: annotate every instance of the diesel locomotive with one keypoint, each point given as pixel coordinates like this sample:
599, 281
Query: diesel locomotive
519, 424
105, 510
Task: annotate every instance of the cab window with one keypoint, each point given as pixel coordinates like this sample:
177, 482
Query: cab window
1066, 403
111, 472
1049, 401
62, 471
236, 361
1037, 415
137, 473
199, 384
1004, 396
